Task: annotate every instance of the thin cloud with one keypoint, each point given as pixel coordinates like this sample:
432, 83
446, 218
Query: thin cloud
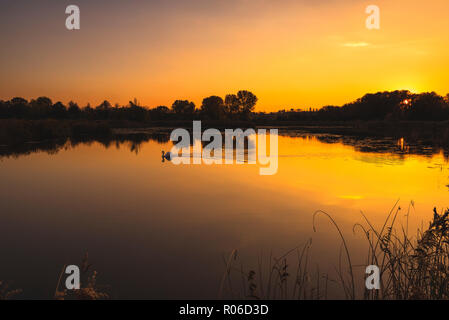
356, 44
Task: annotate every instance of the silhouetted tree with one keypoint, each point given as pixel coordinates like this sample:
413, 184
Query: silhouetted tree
213, 108
135, 112
88, 108
394, 105
162, 109
41, 107
4, 109
428, 106
379, 105
240, 105
74, 110
247, 101
183, 107
59, 111
134, 103
102, 111
105, 105
159, 113
19, 107
88, 112
232, 105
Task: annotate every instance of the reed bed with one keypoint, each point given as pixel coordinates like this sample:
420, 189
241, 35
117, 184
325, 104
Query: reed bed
411, 267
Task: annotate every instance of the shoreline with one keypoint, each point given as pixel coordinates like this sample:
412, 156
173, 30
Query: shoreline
14, 131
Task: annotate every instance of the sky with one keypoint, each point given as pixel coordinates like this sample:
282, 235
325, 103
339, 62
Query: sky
291, 54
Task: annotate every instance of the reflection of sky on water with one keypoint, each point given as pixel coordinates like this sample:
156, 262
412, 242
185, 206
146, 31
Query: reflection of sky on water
157, 230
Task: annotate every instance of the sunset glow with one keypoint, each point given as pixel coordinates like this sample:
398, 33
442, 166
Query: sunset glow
213, 158
291, 54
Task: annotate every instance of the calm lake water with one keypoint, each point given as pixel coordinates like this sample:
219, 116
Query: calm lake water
156, 230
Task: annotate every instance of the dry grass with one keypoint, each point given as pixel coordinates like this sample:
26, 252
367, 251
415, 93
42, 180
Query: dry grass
410, 268
6, 293
89, 289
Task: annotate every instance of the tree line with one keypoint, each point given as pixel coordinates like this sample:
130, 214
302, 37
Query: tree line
389, 105
234, 107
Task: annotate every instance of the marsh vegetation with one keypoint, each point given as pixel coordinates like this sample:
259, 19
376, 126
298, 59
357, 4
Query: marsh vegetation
411, 267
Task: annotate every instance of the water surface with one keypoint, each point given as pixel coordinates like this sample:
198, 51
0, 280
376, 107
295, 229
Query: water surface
156, 230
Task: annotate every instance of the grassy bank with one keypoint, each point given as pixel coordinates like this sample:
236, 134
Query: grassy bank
413, 131
14, 131
26, 130
18, 131
19, 137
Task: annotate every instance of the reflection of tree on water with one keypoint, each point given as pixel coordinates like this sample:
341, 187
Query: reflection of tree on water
385, 145
133, 141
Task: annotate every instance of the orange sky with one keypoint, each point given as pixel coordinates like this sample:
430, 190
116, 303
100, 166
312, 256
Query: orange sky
291, 54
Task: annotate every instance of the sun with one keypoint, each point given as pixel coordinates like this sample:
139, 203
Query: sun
413, 90
413, 85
